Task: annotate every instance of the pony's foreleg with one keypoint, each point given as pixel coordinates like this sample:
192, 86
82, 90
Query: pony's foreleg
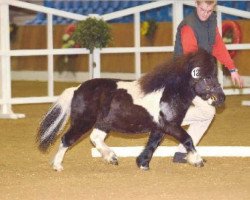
182, 136
97, 137
193, 157
144, 158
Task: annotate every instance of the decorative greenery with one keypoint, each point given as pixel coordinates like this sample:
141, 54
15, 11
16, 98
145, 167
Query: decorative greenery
67, 39
92, 33
148, 29
66, 62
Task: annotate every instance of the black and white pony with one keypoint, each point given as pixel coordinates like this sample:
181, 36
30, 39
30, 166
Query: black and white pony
155, 104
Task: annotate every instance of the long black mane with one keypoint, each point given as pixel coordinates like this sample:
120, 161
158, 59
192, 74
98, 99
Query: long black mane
175, 74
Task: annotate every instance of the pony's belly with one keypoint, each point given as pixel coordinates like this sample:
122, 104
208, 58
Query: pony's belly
131, 128
128, 117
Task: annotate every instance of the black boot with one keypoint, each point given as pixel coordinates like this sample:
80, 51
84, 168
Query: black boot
180, 157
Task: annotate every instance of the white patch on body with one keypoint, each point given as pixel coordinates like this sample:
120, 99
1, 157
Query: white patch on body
58, 159
168, 112
151, 101
97, 137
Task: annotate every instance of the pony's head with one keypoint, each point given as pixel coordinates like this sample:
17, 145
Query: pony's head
202, 68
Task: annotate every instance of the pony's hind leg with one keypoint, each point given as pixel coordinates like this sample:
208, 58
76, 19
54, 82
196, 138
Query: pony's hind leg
57, 161
70, 138
97, 137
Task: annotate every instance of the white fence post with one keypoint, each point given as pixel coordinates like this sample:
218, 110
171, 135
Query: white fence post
50, 56
5, 77
220, 71
96, 63
95, 58
137, 44
177, 16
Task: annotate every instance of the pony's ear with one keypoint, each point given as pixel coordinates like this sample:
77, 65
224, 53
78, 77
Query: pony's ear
214, 61
193, 65
203, 60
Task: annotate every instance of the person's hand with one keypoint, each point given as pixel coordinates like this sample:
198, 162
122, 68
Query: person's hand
236, 78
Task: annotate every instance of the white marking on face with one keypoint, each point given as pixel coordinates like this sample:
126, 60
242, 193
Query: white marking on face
151, 101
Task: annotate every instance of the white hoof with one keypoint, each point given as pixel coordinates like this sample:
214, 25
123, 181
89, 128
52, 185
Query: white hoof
144, 168
111, 158
195, 159
58, 167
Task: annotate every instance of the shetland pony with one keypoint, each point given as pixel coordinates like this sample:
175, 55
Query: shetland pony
155, 104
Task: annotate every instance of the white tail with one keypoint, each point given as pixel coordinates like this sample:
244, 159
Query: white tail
55, 120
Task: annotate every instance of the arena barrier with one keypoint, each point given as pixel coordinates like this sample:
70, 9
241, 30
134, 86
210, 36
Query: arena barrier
6, 100
163, 151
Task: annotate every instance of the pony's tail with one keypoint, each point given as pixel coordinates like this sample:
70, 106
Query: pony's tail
55, 120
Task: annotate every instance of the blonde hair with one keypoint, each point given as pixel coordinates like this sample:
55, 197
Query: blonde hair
209, 2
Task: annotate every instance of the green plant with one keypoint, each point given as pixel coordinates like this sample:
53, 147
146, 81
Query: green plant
67, 62
92, 33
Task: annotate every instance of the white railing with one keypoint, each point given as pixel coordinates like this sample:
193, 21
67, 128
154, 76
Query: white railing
6, 53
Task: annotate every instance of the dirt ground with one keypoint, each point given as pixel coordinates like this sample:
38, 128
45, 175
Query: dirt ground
26, 173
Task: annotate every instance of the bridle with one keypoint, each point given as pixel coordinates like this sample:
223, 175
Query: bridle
210, 88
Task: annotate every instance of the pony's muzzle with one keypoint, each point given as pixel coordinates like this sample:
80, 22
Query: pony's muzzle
217, 100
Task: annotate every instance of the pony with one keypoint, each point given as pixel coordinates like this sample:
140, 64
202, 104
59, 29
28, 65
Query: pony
155, 104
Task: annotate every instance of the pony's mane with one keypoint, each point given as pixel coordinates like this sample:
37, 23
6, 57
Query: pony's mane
176, 73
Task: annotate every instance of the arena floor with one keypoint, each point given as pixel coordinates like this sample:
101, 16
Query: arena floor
27, 174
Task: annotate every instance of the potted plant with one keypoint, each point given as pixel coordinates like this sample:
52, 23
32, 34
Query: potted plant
92, 33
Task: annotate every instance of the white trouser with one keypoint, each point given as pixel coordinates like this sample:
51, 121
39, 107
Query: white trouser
198, 117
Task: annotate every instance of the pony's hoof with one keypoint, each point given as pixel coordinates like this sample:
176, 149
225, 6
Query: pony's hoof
111, 158
58, 168
113, 161
194, 159
142, 164
200, 164
144, 168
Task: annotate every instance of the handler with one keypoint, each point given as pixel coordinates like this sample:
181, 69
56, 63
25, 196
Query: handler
199, 30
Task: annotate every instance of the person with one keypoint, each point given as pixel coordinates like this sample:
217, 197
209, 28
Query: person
199, 30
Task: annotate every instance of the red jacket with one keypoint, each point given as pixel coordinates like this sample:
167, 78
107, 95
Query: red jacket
189, 44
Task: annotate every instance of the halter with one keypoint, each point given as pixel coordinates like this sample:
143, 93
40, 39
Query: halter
209, 88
